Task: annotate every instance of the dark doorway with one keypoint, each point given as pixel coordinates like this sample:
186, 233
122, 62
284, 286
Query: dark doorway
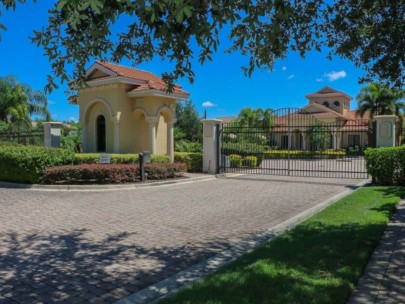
101, 134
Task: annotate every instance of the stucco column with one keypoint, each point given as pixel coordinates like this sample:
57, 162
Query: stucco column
84, 137
170, 140
304, 142
334, 141
116, 121
152, 120
385, 133
211, 143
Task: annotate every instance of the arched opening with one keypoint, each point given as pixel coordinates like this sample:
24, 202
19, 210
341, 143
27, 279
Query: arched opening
326, 104
101, 134
336, 103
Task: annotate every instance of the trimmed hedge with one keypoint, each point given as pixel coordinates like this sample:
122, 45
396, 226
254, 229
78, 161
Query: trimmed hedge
194, 161
25, 164
302, 154
386, 165
9, 143
109, 174
235, 160
92, 158
244, 148
250, 161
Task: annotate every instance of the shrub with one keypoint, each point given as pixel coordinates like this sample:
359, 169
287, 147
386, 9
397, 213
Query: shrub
163, 170
188, 146
25, 164
250, 161
235, 160
244, 148
109, 174
386, 165
9, 143
193, 161
302, 154
92, 158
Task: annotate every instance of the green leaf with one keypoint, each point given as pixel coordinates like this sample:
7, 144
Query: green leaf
187, 11
179, 16
61, 4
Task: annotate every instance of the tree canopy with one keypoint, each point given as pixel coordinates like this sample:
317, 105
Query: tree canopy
188, 125
369, 33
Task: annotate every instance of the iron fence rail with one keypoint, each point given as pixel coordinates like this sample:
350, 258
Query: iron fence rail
296, 143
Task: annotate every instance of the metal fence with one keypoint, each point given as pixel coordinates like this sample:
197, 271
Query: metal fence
296, 143
21, 132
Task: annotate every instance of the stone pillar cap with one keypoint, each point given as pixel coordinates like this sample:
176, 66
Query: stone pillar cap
211, 120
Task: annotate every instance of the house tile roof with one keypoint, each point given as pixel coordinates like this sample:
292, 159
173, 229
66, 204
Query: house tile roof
151, 81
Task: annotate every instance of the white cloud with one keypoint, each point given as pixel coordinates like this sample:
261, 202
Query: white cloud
333, 76
290, 76
318, 79
71, 118
54, 115
284, 68
208, 104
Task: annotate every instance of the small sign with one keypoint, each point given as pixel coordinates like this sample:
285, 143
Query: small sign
146, 157
104, 159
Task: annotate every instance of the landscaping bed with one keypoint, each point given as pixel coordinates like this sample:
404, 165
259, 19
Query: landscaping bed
319, 261
109, 174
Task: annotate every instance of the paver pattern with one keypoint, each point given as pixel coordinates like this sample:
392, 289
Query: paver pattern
98, 247
383, 280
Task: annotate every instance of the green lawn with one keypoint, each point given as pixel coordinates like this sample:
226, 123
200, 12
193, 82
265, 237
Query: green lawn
319, 261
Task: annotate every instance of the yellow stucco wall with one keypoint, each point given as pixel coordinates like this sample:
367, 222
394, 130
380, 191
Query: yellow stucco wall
113, 102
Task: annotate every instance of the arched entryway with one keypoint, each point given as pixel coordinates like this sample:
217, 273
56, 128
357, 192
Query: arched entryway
101, 134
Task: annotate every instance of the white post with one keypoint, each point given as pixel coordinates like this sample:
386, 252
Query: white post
385, 130
152, 120
210, 145
170, 141
52, 132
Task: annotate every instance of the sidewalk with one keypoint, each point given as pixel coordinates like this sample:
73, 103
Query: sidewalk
383, 280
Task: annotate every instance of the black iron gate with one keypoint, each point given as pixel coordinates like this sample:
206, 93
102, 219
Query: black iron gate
21, 132
296, 142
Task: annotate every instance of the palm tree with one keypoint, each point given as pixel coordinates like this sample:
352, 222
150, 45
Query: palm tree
258, 118
36, 100
380, 99
376, 99
13, 103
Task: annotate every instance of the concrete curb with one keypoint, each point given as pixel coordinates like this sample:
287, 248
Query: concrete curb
110, 187
170, 285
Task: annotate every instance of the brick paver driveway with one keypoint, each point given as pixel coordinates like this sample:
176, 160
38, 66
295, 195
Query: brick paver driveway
101, 246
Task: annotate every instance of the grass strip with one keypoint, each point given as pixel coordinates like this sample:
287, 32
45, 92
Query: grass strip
319, 261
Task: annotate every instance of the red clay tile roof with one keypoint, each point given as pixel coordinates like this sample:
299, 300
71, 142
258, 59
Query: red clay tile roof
153, 82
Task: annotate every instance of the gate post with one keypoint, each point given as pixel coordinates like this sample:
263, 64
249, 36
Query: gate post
385, 125
52, 132
211, 145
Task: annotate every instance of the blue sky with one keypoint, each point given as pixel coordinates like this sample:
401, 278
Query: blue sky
220, 86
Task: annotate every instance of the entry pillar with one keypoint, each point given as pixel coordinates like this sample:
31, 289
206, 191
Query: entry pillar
211, 145
385, 130
52, 132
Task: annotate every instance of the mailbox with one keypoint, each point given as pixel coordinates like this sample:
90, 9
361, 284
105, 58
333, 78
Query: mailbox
146, 157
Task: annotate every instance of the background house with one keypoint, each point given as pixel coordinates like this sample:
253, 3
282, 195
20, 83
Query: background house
329, 117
